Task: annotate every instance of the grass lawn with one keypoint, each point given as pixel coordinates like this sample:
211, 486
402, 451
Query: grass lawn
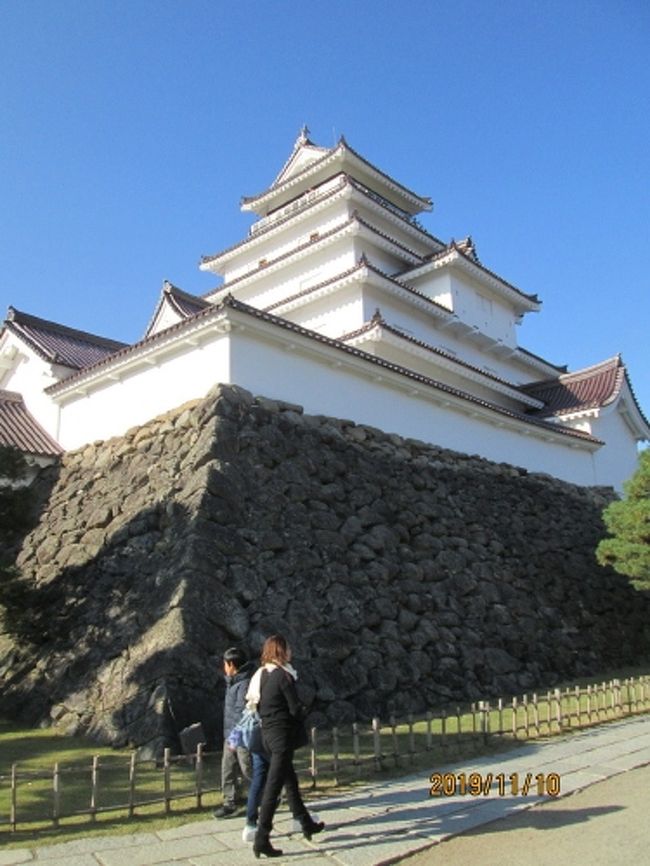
342, 762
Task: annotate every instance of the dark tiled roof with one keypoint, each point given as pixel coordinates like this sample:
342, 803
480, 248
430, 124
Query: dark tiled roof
590, 388
19, 428
342, 145
230, 302
362, 263
377, 319
468, 252
59, 344
345, 180
339, 229
183, 303
561, 368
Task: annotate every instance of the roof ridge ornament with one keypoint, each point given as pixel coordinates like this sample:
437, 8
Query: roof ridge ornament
303, 136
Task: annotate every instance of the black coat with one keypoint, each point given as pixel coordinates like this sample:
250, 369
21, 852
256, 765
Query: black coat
280, 709
235, 700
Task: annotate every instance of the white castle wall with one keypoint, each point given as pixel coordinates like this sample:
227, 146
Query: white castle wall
268, 361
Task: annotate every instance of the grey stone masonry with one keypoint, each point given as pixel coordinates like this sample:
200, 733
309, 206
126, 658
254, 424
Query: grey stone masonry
405, 576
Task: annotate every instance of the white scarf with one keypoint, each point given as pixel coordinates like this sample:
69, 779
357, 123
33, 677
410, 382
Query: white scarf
253, 694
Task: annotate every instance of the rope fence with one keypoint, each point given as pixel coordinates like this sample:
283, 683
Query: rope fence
123, 784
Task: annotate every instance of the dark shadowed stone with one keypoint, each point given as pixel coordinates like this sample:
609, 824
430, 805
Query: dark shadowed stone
390, 565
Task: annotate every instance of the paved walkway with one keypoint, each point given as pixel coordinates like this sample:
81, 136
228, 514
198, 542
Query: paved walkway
605, 824
381, 823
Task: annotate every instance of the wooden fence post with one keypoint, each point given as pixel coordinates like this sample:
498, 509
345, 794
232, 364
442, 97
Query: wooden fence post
393, 726
355, 745
514, 717
524, 701
167, 780
411, 738
335, 754
484, 709
376, 742
198, 768
429, 732
13, 817
56, 795
94, 787
132, 785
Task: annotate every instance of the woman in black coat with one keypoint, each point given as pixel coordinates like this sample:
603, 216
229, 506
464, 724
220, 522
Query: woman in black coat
282, 719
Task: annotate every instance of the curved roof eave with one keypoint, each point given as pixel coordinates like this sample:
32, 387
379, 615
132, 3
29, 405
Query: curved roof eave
454, 256
342, 152
182, 330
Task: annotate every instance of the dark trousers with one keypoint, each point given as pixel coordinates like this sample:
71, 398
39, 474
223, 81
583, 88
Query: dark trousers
281, 774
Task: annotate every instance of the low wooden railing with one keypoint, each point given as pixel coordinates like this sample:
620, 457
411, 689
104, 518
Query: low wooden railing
124, 784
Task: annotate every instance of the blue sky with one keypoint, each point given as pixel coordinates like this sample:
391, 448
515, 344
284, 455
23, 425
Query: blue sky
130, 129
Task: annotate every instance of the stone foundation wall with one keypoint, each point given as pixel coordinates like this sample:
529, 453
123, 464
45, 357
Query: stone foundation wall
405, 576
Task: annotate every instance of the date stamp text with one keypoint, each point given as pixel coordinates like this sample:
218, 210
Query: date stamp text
482, 784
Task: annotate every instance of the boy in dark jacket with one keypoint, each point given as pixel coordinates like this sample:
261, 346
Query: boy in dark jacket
235, 763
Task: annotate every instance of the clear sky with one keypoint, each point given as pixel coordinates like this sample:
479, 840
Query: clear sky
130, 129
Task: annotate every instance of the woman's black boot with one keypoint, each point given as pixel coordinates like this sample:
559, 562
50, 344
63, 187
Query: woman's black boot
310, 827
262, 846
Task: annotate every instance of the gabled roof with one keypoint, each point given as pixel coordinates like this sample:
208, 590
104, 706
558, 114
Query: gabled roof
182, 304
591, 388
19, 428
464, 253
59, 344
303, 154
332, 161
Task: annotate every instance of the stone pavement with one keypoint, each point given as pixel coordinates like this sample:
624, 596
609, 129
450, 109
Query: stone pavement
383, 822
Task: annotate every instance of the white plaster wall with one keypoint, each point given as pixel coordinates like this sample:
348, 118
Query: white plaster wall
394, 228
476, 305
384, 260
618, 459
296, 276
424, 326
144, 394
167, 318
332, 315
284, 242
29, 377
269, 370
437, 286
429, 365
316, 381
